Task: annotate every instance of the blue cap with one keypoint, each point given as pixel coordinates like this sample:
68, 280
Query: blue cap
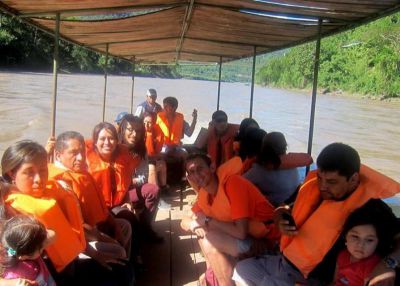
120, 116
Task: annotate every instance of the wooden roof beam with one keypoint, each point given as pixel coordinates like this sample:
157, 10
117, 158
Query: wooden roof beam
185, 27
134, 41
86, 11
138, 55
243, 44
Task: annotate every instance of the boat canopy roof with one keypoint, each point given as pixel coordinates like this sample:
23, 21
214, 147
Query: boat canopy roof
203, 31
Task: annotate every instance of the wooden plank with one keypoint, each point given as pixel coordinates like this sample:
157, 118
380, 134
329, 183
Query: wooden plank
187, 263
156, 257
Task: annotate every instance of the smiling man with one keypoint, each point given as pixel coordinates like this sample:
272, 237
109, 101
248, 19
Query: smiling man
310, 245
69, 169
229, 214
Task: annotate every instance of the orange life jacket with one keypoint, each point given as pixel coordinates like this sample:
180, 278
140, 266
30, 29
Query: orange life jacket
154, 141
220, 208
227, 140
172, 134
94, 209
121, 168
59, 211
325, 219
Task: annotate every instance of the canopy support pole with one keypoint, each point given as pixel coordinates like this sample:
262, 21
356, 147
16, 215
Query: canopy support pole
252, 82
105, 83
133, 82
55, 75
219, 82
314, 90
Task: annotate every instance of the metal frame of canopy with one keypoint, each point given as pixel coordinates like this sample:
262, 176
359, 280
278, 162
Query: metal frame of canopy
200, 31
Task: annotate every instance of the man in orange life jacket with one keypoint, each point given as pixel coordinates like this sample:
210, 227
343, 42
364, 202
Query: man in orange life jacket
220, 137
69, 169
311, 242
228, 215
173, 125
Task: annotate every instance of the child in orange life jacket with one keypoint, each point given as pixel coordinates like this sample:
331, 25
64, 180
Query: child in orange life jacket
367, 241
23, 239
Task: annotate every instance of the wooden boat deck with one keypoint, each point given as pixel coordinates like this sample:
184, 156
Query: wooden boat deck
177, 261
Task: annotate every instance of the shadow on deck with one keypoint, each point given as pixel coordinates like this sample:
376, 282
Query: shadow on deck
177, 261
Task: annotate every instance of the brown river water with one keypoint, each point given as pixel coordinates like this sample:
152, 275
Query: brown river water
371, 127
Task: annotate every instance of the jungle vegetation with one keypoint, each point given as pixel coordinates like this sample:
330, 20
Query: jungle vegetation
365, 60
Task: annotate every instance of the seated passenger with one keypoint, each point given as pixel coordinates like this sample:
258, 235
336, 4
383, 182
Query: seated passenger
228, 216
25, 165
367, 241
69, 169
154, 143
250, 146
245, 125
23, 240
220, 136
149, 106
112, 167
143, 195
310, 237
278, 185
173, 126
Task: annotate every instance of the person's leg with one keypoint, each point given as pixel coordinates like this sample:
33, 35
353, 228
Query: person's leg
126, 231
153, 177
150, 194
161, 168
215, 249
136, 232
268, 270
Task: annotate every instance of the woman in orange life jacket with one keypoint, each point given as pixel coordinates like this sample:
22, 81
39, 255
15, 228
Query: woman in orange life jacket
112, 166
144, 193
24, 164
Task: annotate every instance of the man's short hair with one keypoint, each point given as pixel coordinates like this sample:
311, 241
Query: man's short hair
171, 101
219, 116
63, 138
152, 92
201, 155
341, 158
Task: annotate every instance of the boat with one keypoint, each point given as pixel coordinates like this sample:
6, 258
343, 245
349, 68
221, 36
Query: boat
206, 31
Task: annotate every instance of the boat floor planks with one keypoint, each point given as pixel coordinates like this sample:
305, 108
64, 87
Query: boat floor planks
177, 261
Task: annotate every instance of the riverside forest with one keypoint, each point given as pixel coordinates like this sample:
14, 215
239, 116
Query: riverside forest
363, 61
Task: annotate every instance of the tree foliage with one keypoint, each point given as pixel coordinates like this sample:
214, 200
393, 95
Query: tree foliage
365, 60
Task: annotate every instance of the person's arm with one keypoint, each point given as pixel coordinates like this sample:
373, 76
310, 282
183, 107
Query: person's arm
189, 131
237, 228
141, 173
383, 275
93, 234
284, 225
139, 111
294, 160
50, 144
17, 282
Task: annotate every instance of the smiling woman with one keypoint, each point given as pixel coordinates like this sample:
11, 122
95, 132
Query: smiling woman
25, 165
